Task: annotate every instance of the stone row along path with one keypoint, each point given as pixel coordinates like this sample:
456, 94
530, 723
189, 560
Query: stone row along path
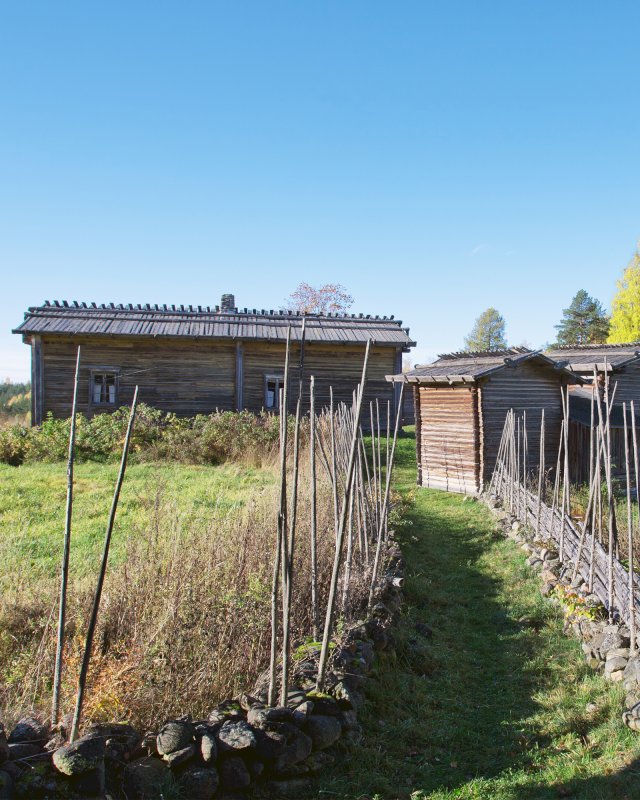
484, 696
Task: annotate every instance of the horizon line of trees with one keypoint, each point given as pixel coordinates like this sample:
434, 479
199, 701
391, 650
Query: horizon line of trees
584, 321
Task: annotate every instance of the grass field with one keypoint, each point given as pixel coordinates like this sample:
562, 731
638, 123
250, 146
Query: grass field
32, 510
498, 703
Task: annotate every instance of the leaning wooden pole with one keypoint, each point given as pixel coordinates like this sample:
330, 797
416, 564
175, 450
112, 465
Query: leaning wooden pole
86, 658
281, 530
64, 572
333, 585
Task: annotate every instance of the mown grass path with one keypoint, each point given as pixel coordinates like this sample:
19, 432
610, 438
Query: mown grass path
498, 703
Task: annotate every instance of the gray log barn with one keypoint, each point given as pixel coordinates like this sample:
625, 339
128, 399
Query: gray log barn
595, 363
194, 359
461, 402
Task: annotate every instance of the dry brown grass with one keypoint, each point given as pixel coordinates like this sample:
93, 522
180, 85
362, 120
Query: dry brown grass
184, 621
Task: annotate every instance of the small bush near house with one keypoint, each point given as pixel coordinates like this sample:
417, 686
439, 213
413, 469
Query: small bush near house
203, 439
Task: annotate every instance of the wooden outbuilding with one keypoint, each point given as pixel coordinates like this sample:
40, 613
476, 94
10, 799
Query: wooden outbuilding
195, 359
461, 403
617, 365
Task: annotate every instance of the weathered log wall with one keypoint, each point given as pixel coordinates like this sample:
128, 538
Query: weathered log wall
526, 388
188, 377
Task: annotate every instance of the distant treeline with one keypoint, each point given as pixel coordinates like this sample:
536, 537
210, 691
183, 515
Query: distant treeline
15, 398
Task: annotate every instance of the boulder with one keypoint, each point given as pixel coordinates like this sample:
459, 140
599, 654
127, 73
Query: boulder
208, 748
179, 757
234, 773
631, 717
615, 665
84, 755
174, 736
90, 783
610, 638
236, 737
198, 783
270, 744
263, 717
4, 745
29, 730
323, 730
6, 786
143, 778
298, 747
19, 750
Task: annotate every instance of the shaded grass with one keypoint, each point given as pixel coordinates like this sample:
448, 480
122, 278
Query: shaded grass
498, 703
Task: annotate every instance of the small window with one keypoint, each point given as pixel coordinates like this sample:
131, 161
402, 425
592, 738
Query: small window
272, 386
104, 388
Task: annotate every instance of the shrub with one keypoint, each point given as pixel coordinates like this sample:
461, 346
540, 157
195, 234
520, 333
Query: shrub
203, 439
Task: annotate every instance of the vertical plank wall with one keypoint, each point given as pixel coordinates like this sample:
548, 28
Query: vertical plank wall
447, 438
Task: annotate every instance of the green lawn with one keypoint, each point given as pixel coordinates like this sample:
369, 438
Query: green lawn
498, 703
32, 509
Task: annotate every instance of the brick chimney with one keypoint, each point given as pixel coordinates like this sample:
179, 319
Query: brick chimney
227, 303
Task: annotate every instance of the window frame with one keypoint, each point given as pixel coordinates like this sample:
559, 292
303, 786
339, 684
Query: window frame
104, 371
279, 381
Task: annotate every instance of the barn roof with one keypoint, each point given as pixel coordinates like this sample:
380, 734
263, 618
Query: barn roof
470, 367
200, 322
586, 358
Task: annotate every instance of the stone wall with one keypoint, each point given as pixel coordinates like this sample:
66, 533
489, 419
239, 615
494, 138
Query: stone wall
243, 745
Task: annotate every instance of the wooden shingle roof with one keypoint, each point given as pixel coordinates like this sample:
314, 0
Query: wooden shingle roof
470, 367
74, 319
586, 358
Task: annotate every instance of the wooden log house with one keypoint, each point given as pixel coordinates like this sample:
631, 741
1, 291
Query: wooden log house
617, 364
195, 359
461, 402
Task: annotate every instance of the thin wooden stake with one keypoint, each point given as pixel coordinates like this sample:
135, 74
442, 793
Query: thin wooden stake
82, 681
314, 512
281, 537
328, 624
64, 572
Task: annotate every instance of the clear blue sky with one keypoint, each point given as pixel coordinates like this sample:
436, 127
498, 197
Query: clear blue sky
434, 158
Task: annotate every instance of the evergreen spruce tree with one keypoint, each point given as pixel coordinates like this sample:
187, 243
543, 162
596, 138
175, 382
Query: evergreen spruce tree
488, 333
584, 322
625, 308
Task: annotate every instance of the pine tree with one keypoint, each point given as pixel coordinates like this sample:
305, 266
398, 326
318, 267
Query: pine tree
625, 308
584, 322
488, 333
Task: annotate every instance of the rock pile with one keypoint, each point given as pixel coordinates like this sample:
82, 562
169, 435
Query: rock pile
239, 745
605, 644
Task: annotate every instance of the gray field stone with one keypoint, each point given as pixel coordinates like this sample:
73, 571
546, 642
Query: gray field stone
179, 757
83, 755
174, 736
142, 779
208, 748
6, 786
323, 730
234, 773
29, 730
236, 736
263, 717
199, 783
18, 750
4, 745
